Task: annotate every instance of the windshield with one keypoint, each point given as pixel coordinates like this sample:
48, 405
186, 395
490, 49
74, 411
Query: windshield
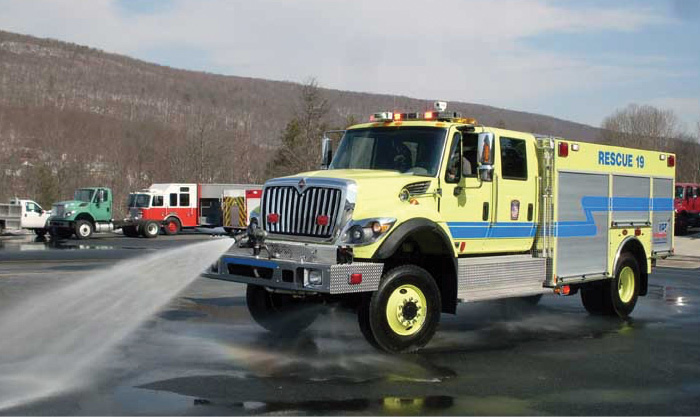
679, 192
139, 200
411, 150
84, 195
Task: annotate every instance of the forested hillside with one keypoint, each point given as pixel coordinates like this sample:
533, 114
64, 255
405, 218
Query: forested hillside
73, 116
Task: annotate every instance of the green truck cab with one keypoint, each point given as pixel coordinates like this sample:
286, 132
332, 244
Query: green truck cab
89, 211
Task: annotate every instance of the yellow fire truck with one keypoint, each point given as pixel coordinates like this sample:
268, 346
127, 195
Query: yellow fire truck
418, 212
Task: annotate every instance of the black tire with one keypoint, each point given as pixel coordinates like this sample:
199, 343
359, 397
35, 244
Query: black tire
363, 321
171, 226
414, 319
130, 231
595, 299
83, 229
605, 297
281, 314
150, 229
40, 232
624, 288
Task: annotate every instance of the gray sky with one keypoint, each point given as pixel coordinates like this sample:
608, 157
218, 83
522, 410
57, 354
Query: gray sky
577, 60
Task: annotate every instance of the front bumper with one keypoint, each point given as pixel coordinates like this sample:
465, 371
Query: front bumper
60, 224
286, 266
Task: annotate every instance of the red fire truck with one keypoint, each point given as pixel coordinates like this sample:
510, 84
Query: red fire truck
177, 206
687, 206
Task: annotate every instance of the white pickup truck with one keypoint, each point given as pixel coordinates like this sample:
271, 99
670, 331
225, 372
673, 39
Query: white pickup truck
23, 214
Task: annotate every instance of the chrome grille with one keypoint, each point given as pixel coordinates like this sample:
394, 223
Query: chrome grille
298, 212
58, 210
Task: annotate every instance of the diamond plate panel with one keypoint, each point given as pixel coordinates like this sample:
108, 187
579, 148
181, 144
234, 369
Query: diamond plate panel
500, 277
340, 275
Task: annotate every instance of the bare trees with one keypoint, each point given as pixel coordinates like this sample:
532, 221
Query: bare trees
647, 127
300, 142
641, 126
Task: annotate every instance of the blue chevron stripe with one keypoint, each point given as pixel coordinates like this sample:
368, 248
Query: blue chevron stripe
589, 204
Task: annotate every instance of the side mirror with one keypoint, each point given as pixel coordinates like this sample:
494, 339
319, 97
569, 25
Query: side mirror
326, 152
485, 156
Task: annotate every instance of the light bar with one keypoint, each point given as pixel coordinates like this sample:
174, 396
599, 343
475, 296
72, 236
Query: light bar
448, 116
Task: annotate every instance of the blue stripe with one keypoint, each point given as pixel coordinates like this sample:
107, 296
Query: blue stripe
252, 262
589, 204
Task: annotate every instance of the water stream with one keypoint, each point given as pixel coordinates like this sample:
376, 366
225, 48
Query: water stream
53, 341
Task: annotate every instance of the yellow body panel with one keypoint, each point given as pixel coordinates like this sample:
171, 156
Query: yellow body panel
509, 201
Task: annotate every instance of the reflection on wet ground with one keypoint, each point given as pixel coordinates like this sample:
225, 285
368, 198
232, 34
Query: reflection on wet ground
203, 355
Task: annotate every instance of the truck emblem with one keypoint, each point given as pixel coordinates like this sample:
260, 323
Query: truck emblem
302, 184
514, 209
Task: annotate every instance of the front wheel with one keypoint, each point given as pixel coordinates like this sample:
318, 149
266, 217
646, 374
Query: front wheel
150, 229
281, 314
40, 232
403, 314
83, 229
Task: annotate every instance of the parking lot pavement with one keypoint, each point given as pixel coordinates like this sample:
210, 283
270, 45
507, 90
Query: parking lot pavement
203, 355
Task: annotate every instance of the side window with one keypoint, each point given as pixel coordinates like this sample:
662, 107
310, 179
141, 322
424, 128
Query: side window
454, 162
469, 153
184, 200
29, 206
173, 200
688, 192
157, 201
696, 192
513, 159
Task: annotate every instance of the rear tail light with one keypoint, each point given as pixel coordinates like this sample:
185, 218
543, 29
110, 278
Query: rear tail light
355, 279
671, 161
563, 149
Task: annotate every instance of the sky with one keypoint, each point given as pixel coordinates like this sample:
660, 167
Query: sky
575, 60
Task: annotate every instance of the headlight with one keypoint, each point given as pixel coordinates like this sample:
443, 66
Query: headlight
366, 231
68, 213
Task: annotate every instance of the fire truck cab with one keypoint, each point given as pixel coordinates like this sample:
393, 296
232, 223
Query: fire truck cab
178, 206
687, 207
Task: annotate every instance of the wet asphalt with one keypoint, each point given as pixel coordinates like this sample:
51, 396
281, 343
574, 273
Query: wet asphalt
203, 355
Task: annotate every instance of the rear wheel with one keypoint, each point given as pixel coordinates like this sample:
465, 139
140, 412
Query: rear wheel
40, 232
150, 229
403, 314
171, 226
617, 296
83, 229
279, 313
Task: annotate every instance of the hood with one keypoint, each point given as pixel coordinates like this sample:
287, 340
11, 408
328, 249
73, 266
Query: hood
371, 183
69, 203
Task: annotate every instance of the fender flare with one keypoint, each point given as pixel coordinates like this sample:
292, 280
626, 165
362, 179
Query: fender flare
85, 216
392, 243
169, 215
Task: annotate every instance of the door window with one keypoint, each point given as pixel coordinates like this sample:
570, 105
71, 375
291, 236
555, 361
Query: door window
454, 163
184, 200
173, 200
469, 154
513, 159
157, 201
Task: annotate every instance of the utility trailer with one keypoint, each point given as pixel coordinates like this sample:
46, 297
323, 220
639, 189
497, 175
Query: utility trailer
421, 211
178, 206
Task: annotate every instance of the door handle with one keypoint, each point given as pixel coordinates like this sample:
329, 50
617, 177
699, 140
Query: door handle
485, 211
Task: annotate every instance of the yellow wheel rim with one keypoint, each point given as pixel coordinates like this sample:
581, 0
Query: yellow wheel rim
625, 284
406, 310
